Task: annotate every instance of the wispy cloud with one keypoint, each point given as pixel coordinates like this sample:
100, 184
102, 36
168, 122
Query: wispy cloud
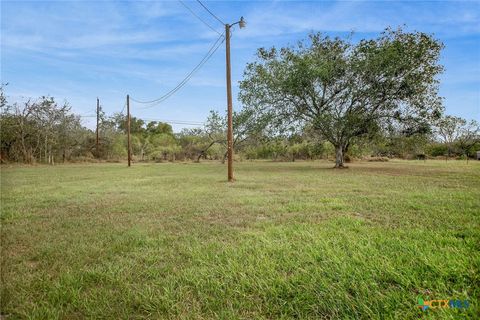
80, 49
281, 18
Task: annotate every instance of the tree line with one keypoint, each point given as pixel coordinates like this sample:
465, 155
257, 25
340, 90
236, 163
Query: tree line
322, 98
43, 131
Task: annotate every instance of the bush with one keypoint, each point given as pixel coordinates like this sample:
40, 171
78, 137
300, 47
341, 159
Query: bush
437, 149
377, 159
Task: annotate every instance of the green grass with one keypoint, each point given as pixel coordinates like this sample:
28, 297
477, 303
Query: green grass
286, 240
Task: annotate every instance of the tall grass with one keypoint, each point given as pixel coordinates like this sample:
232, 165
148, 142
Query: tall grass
286, 240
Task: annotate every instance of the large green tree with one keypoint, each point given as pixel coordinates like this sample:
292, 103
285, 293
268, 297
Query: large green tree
346, 90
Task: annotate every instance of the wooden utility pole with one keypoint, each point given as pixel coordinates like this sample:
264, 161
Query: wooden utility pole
98, 116
229, 106
128, 130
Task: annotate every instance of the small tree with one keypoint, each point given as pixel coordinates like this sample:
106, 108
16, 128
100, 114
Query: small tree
469, 137
448, 130
245, 125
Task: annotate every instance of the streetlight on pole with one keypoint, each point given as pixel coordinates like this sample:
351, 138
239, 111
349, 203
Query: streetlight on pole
242, 24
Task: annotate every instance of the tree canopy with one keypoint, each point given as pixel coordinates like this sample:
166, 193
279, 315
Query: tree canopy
346, 90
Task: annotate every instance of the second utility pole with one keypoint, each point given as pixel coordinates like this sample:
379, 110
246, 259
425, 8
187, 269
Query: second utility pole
128, 130
229, 106
98, 113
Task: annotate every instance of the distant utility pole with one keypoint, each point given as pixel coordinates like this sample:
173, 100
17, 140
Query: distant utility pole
128, 130
241, 23
98, 115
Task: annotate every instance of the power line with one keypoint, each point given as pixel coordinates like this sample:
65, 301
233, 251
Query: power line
89, 112
209, 54
186, 122
198, 17
218, 19
124, 106
182, 122
188, 76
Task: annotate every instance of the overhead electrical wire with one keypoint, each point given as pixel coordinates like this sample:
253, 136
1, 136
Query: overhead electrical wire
198, 17
87, 114
182, 83
211, 51
182, 122
186, 122
213, 15
124, 106
208, 55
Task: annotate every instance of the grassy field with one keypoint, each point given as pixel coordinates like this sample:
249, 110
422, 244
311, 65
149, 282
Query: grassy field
287, 240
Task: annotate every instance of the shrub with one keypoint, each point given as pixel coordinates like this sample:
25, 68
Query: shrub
377, 159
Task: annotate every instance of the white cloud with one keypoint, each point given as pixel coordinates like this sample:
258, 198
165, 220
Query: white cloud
80, 49
281, 18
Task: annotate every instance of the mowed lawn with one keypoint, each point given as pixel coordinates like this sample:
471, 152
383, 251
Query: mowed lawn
286, 240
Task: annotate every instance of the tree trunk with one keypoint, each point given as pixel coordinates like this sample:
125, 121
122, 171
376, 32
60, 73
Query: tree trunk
204, 151
30, 156
339, 160
224, 157
46, 150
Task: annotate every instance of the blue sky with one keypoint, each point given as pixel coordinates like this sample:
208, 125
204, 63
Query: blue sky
78, 50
